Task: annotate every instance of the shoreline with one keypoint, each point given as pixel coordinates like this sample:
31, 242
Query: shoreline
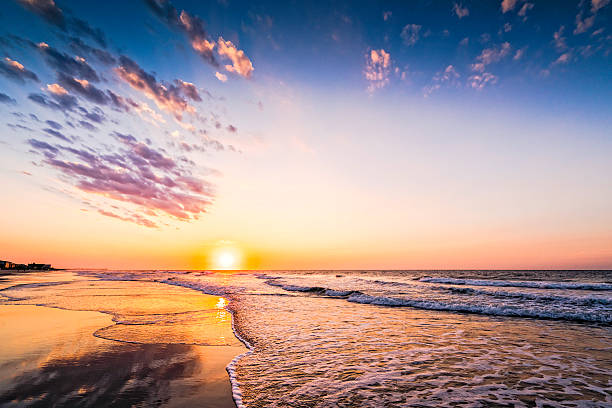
212, 364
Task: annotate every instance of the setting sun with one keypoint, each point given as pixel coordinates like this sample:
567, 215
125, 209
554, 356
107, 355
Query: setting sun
226, 258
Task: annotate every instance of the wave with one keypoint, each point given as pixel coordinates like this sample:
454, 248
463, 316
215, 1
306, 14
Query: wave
500, 310
551, 311
312, 289
520, 284
35, 285
573, 300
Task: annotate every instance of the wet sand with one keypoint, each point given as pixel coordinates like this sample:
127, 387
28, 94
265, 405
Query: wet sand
140, 344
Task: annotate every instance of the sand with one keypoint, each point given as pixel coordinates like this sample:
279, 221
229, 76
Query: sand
170, 348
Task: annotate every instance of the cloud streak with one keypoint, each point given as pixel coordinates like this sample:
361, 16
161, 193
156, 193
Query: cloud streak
210, 50
135, 173
52, 14
16, 71
168, 97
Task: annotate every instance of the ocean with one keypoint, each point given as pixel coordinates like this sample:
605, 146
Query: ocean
373, 338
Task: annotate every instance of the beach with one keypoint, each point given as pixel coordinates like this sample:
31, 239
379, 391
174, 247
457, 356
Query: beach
307, 338
68, 341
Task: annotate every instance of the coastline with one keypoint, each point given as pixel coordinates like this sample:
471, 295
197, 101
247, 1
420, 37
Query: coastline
203, 371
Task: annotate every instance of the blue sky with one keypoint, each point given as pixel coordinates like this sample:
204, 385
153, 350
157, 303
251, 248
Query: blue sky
279, 125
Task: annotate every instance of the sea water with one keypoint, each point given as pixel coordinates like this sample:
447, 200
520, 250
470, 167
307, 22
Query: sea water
410, 338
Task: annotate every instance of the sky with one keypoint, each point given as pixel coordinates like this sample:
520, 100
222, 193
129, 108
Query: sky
307, 135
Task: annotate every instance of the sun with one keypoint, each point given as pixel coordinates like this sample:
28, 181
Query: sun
226, 258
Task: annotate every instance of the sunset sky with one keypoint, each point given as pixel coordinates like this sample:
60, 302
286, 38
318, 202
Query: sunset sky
307, 135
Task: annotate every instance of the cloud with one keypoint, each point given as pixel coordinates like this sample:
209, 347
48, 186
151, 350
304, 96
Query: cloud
96, 115
62, 102
42, 146
519, 54
189, 90
82, 28
56, 134
86, 125
563, 59
460, 11
134, 173
47, 10
168, 97
490, 56
241, 64
4, 98
118, 102
15, 70
84, 88
192, 26
479, 81
51, 13
559, 40
410, 34
56, 89
507, 5
54, 124
79, 47
221, 77
448, 75
378, 68
526, 7
73, 66
135, 218
583, 24
598, 4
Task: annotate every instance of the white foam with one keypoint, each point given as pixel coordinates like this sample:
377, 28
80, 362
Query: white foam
497, 310
231, 367
520, 284
570, 300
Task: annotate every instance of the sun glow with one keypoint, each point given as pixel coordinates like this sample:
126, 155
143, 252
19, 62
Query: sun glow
226, 258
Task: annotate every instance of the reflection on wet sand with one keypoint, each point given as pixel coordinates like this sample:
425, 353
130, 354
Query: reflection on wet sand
50, 356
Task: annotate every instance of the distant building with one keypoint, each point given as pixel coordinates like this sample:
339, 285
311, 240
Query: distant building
39, 267
8, 265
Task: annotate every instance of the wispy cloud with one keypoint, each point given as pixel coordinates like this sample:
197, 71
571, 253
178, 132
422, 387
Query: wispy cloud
449, 75
4, 98
377, 70
50, 12
168, 97
460, 11
15, 70
559, 39
410, 34
134, 173
193, 27
524, 9
479, 81
74, 66
491, 55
